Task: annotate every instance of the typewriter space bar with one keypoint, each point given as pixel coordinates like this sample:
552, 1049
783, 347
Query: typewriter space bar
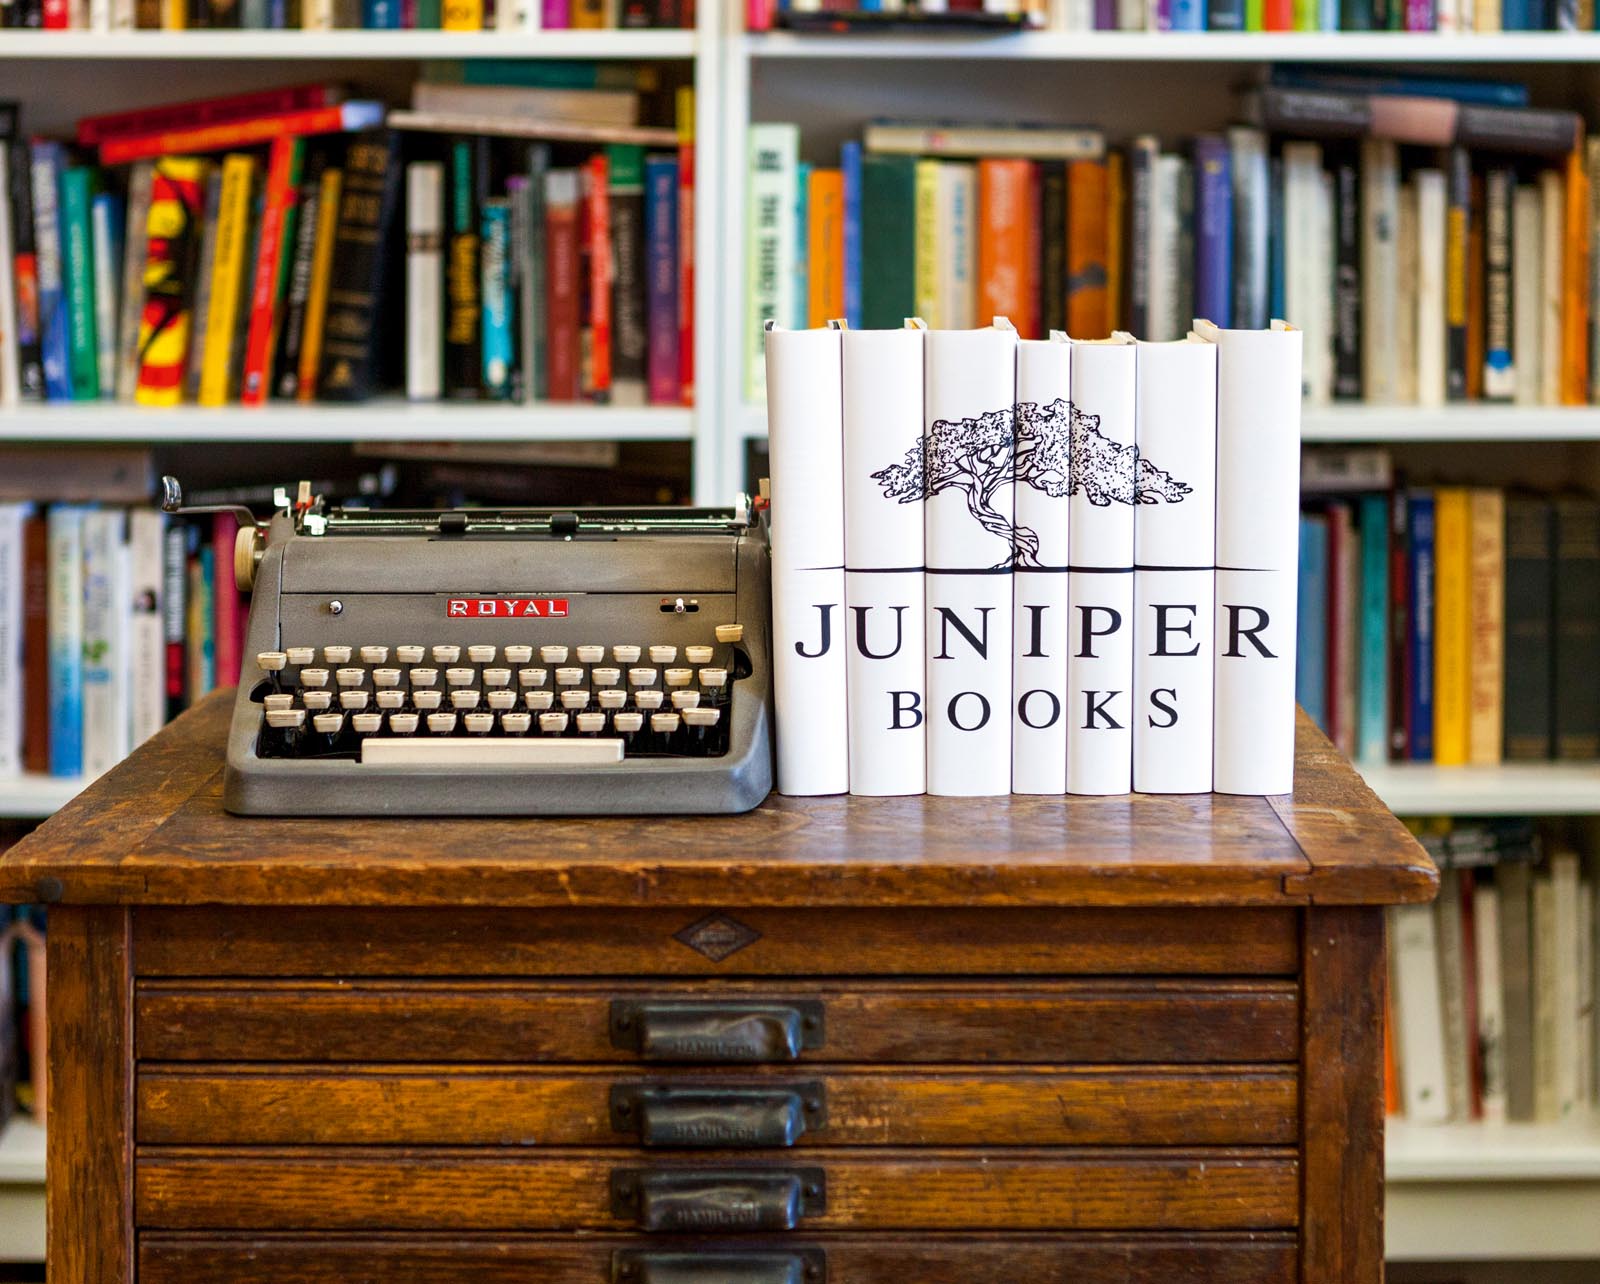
491, 753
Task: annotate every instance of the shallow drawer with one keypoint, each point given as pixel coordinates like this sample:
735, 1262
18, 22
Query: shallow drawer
1036, 1259
423, 1189
675, 1109
223, 941
1101, 1021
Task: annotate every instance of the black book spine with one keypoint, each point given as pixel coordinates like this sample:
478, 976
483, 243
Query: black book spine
1533, 131
463, 358
1052, 246
1499, 375
1347, 282
285, 382
1577, 627
1399, 622
1529, 595
1141, 191
352, 331
1458, 219
630, 331
1314, 113
25, 273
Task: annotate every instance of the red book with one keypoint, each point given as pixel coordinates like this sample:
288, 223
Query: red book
93, 130
686, 248
597, 252
283, 186
56, 15
344, 118
228, 619
1277, 15
561, 284
759, 14
35, 646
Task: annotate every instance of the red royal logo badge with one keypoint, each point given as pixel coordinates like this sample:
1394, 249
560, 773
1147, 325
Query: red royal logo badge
506, 608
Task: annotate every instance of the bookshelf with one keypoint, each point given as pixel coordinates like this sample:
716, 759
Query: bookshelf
255, 46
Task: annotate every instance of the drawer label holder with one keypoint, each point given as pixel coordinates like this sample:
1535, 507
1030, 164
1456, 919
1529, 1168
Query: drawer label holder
714, 1266
716, 1200
691, 1115
735, 1031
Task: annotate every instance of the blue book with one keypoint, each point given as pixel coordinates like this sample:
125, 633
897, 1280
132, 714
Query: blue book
850, 164
496, 234
1213, 268
661, 278
1372, 697
55, 323
1413, 84
802, 242
1225, 15
1188, 15
1311, 644
1275, 269
1328, 15
1419, 638
380, 15
64, 560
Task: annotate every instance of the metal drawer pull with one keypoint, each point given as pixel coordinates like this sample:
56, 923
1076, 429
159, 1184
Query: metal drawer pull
716, 1032
717, 1199
636, 1266
706, 1115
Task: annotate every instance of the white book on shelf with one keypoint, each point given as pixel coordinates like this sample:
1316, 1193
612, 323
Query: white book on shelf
1380, 265
316, 15
1258, 522
1569, 1050
1432, 240
12, 517
1130, 15
927, 247
424, 279
1552, 250
1417, 1013
135, 244
1527, 292
1174, 580
100, 16
1453, 994
1166, 266
1100, 583
1546, 987
805, 444
771, 232
1072, 15
1588, 1069
958, 242
1406, 297
1491, 1008
147, 689
107, 268
1039, 574
885, 605
969, 395
124, 15
1307, 281
105, 708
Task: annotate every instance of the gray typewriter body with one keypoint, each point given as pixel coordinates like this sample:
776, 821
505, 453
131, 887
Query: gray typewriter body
518, 579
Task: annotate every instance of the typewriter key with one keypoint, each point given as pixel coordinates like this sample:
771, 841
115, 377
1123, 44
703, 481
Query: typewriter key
336, 655
591, 654
649, 700
386, 677
627, 723
374, 655
518, 654
663, 723
612, 698
497, 677
532, 677
278, 701
441, 724
502, 698
446, 654
685, 699
479, 724
391, 698
366, 724
591, 723
537, 700
422, 677
403, 724
605, 677
316, 701
625, 654
663, 654
641, 677
553, 654
286, 719
271, 661
352, 699
575, 698
569, 677
410, 654
464, 698
350, 677
313, 677
300, 656
515, 724
552, 724
481, 654
679, 677
698, 654
460, 677
429, 699
329, 724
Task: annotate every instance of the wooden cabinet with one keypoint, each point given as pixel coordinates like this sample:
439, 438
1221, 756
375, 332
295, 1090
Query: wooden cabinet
861, 1041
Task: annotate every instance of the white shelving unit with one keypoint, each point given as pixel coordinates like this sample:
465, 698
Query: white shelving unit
255, 46
33, 797
1506, 789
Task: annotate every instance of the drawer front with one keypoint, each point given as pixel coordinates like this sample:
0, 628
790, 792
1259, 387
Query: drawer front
256, 942
1096, 1021
399, 1189
1036, 1259
677, 1108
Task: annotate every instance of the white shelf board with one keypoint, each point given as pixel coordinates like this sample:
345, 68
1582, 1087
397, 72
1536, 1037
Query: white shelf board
1479, 1152
300, 45
22, 1206
31, 797
373, 421
1507, 789
1113, 46
22, 1153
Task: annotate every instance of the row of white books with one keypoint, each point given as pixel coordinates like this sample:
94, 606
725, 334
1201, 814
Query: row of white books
1039, 566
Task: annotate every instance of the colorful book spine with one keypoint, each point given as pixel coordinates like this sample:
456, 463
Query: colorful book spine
850, 167
175, 615
1311, 653
888, 240
330, 191
176, 201
1006, 262
925, 219
13, 657
596, 319
663, 365
25, 273
274, 245
1053, 237
769, 282
804, 383
227, 617
356, 305
958, 264
343, 118
825, 247
1380, 314
77, 264
1452, 641
1420, 637
135, 245
1372, 727
1576, 626
146, 646
1576, 248
1432, 272
1499, 372
1486, 678
1457, 273
424, 279
1347, 292
300, 255
66, 639
463, 276
10, 339
1213, 270
223, 316
629, 288
104, 668
106, 221
687, 253
55, 326
1088, 314
561, 306
1248, 163
494, 289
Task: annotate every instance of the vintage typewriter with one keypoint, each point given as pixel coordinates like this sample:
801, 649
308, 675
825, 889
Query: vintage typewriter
512, 662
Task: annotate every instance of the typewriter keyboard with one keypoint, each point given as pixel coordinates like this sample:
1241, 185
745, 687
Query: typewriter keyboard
512, 705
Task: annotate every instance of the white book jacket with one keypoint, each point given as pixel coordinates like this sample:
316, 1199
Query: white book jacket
1174, 581
805, 443
147, 690
970, 383
1039, 577
1100, 584
424, 279
1258, 530
884, 599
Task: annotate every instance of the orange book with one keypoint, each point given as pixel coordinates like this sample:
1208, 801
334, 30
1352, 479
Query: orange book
825, 247
1087, 226
1575, 286
1391, 1069
230, 135
1006, 262
1116, 216
275, 237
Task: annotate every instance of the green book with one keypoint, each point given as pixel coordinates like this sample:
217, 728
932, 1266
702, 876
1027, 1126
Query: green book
428, 15
77, 235
888, 241
1254, 15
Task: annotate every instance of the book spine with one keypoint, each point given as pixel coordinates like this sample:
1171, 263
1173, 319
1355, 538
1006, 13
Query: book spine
424, 279
1213, 293
1308, 284
464, 317
1458, 216
1527, 730
1005, 264
78, 268
1552, 243
107, 221
66, 640
352, 342
1087, 314
1432, 273
1575, 283
36, 656
825, 245
1055, 236
1513, 884
1174, 509
773, 173
969, 394
300, 254
328, 204
1452, 626
226, 621
1577, 625
629, 283
1225, 15
958, 266
661, 273
104, 717
561, 238
1486, 681
344, 117
1420, 537
461, 15
1258, 462
13, 519
888, 249
227, 278
850, 166
272, 250
1248, 174
25, 273
1452, 996
135, 249
1044, 425
885, 602
925, 243
175, 615
596, 318
1490, 1005
1527, 274
202, 637
804, 383
494, 288
176, 204
1372, 734
686, 241
1499, 372
1344, 627
1419, 1014
1311, 615
206, 260
10, 340
1347, 318
54, 323
1142, 157
146, 647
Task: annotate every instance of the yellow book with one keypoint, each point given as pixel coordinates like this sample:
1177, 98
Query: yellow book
588, 15
174, 15
1452, 624
227, 275
927, 244
321, 270
825, 247
166, 321
1486, 685
1116, 211
462, 15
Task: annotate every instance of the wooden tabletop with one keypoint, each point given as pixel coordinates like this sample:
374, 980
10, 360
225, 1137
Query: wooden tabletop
153, 831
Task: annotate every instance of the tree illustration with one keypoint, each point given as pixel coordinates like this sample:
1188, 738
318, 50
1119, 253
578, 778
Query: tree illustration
1055, 448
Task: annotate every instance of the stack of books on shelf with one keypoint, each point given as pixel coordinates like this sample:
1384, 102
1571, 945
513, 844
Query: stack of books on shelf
1492, 987
504, 242
1447, 624
344, 15
1431, 237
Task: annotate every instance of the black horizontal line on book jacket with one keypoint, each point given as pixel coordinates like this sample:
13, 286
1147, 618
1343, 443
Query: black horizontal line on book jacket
883, 570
